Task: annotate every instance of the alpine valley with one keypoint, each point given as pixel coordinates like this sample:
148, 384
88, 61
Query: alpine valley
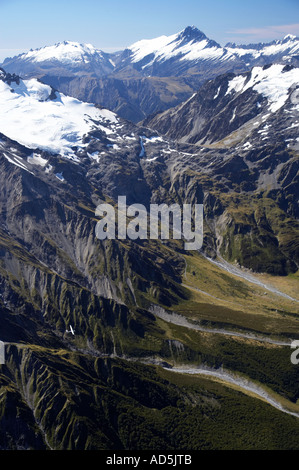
139, 344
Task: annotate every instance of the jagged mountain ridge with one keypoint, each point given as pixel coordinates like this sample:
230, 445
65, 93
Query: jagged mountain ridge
191, 50
252, 120
176, 55
249, 116
150, 75
229, 102
285, 50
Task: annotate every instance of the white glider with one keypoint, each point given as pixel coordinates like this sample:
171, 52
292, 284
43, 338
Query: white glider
71, 330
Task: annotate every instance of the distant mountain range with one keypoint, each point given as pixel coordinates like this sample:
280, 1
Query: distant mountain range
180, 54
150, 75
191, 51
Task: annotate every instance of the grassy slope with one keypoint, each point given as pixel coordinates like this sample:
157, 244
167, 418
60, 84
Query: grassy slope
97, 403
221, 297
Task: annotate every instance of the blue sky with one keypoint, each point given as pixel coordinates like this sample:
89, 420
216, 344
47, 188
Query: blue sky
114, 24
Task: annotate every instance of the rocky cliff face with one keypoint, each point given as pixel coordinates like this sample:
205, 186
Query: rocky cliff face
244, 136
76, 312
251, 155
230, 103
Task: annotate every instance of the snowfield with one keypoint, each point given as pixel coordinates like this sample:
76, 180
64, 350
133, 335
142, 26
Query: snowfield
30, 116
274, 83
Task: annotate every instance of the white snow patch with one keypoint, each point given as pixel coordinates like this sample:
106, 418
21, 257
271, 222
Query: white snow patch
189, 99
94, 156
217, 93
36, 159
233, 116
264, 130
272, 83
236, 84
153, 140
113, 146
247, 145
294, 124
19, 163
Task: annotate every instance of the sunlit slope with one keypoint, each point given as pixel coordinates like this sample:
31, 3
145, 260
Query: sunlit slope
260, 302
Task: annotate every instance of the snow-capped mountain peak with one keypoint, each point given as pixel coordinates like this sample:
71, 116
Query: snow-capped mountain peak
191, 33
191, 44
65, 52
68, 56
